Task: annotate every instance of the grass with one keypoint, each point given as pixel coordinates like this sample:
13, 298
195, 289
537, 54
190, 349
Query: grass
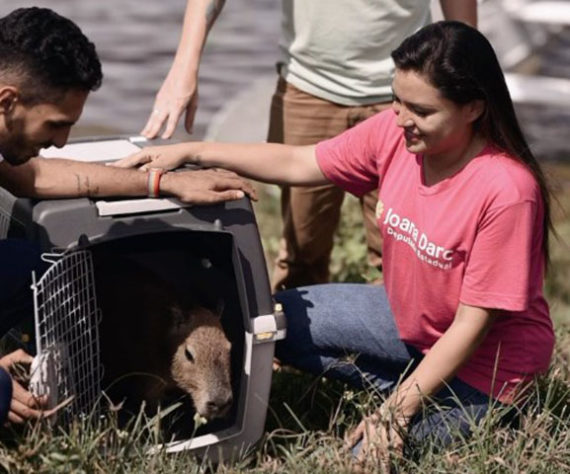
308, 416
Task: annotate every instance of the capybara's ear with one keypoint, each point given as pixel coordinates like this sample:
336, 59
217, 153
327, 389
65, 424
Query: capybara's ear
179, 316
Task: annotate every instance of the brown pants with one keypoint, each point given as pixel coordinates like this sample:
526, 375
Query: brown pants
311, 214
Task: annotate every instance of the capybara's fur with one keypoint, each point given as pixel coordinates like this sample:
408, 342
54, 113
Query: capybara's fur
152, 342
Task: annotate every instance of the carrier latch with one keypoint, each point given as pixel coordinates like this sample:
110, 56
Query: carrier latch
270, 327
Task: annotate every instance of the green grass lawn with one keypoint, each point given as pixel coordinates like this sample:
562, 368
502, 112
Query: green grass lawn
308, 415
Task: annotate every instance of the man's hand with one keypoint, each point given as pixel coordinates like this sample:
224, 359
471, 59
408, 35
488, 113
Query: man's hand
24, 405
177, 95
206, 186
380, 435
166, 157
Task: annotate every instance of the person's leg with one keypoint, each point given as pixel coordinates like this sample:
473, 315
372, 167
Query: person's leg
18, 259
310, 218
310, 214
347, 332
343, 331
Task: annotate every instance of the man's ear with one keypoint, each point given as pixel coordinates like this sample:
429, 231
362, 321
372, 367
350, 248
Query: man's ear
9, 97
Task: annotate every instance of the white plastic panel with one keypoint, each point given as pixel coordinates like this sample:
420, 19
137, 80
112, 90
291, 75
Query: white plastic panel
137, 206
93, 151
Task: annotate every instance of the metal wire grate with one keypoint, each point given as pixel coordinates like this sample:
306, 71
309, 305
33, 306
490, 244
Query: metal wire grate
66, 318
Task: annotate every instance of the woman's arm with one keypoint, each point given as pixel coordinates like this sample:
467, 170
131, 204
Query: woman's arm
460, 10
268, 162
444, 359
179, 92
440, 364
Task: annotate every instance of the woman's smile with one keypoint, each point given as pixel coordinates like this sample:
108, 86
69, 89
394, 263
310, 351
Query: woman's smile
410, 136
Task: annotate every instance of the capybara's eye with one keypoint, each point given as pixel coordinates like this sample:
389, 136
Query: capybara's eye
188, 355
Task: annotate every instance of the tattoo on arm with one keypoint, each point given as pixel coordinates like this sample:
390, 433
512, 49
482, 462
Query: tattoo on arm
213, 10
91, 191
84, 186
87, 185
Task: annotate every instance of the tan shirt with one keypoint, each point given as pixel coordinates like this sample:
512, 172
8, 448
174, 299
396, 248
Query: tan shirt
339, 50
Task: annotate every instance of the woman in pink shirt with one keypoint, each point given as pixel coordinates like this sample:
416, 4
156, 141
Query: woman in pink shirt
464, 212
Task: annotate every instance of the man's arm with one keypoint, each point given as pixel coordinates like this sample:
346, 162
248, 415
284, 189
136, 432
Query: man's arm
179, 90
60, 178
460, 10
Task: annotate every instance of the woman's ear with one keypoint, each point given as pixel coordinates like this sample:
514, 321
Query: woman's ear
475, 109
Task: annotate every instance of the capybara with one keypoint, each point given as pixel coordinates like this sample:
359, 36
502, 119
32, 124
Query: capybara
154, 341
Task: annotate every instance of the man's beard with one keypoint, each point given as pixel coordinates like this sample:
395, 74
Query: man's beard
15, 153
16, 149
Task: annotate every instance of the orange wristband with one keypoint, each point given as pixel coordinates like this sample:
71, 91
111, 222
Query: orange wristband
153, 184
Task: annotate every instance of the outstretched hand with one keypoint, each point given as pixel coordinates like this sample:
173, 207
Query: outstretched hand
208, 186
177, 95
166, 157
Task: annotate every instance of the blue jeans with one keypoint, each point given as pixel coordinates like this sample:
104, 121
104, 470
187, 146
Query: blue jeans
18, 258
347, 332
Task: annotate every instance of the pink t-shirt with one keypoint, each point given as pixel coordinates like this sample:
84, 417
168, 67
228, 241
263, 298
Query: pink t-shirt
474, 238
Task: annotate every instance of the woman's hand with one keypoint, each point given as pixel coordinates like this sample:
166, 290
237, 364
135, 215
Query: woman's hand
380, 436
177, 95
166, 157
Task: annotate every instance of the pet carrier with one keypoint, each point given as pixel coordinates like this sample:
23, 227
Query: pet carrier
214, 250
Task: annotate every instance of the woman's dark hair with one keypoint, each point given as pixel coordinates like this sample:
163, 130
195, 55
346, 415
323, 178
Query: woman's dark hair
461, 63
47, 54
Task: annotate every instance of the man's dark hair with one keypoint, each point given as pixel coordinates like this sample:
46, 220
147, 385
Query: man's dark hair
46, 55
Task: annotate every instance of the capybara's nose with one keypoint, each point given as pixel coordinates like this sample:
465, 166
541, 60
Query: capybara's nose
220, 404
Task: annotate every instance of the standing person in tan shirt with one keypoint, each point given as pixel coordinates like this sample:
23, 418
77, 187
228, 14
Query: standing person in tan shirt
335, 71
